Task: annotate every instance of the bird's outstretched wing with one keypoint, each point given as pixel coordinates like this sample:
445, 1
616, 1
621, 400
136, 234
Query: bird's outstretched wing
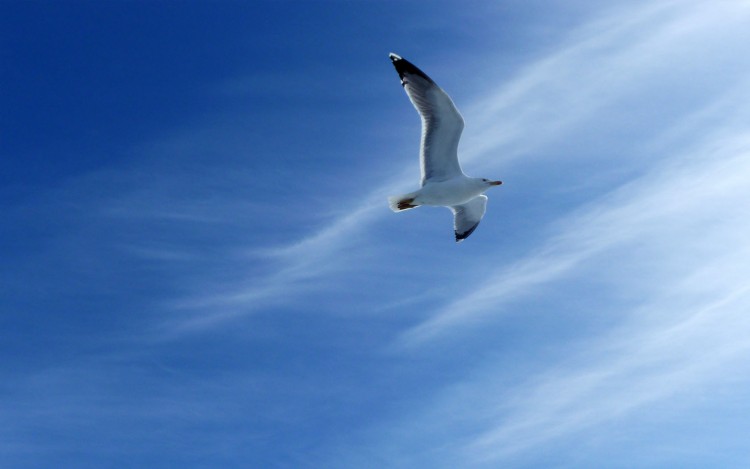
466, 217
442, 124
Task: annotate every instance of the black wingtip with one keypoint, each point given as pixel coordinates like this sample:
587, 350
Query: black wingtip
403, 67
462, 236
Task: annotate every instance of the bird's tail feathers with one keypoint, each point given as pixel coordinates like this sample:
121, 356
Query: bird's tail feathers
399, 203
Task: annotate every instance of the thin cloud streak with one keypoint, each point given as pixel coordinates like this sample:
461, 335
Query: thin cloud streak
557, 91
642, 365
602, 61
298, 266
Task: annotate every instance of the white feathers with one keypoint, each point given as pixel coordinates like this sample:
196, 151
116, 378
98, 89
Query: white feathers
443, 182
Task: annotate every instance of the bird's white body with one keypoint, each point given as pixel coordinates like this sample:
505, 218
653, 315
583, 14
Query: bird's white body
454, 191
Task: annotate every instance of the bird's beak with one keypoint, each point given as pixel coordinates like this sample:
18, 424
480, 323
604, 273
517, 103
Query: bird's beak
495, 183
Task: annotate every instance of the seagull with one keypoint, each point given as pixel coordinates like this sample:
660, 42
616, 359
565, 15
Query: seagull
443, 183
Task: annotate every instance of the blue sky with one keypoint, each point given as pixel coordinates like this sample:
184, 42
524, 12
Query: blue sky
200, 268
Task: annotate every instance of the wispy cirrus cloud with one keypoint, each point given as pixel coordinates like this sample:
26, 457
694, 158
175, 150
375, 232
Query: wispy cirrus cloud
678, 346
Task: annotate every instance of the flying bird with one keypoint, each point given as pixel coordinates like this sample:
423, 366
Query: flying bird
443, 183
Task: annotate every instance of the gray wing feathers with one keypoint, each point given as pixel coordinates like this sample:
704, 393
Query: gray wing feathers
442, 124
466, 217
